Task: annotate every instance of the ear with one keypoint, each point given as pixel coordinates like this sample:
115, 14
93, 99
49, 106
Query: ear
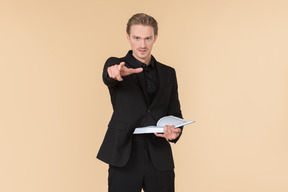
155, 38
128, 36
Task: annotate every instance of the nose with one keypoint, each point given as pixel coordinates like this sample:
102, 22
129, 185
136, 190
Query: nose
143, 43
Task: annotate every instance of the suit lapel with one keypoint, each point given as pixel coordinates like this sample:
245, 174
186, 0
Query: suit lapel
162, 82
140, 77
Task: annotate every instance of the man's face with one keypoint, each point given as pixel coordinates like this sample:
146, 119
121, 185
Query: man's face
142, 39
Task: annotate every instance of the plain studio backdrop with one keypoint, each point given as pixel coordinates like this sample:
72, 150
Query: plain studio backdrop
231, 62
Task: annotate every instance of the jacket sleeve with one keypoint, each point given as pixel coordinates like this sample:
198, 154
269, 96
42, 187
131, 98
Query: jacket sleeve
106, 79
174, 104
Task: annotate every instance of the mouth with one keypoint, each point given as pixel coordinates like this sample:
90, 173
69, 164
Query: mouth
142, 51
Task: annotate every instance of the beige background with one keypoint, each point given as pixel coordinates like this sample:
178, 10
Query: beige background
231, 61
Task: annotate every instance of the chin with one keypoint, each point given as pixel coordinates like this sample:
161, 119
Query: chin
142, 56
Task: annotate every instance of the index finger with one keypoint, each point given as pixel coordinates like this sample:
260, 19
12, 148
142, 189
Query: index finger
137, 70
121, 65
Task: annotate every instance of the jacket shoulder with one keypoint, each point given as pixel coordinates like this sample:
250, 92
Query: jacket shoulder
113, 60
166, 67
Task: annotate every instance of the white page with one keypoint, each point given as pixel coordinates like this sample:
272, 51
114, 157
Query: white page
172, 120
149, 129
167, 120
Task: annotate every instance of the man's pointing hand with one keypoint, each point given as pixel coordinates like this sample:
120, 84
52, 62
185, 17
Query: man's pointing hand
118, 71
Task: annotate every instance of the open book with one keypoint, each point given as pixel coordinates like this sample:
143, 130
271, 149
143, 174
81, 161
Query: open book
159, 128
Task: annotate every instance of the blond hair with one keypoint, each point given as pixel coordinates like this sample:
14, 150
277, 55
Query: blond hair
142, 19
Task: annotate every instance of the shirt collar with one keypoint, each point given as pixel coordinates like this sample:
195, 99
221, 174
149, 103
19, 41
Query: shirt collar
138, 63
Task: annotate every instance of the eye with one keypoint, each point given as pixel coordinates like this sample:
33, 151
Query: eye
148, 38
136, 38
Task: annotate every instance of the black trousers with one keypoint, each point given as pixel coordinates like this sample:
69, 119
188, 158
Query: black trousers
140, 173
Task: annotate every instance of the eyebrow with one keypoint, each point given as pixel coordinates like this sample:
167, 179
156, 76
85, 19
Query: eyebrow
140, 37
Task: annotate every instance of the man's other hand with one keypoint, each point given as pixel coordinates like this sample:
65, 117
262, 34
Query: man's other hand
170, 133
118, 71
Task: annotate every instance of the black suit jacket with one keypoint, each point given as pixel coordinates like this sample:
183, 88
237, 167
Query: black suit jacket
130, 105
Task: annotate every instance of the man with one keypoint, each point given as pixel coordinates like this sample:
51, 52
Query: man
142, 90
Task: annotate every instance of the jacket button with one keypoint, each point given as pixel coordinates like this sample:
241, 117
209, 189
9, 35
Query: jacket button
148, 111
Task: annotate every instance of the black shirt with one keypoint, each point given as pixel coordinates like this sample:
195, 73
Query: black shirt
150, 76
